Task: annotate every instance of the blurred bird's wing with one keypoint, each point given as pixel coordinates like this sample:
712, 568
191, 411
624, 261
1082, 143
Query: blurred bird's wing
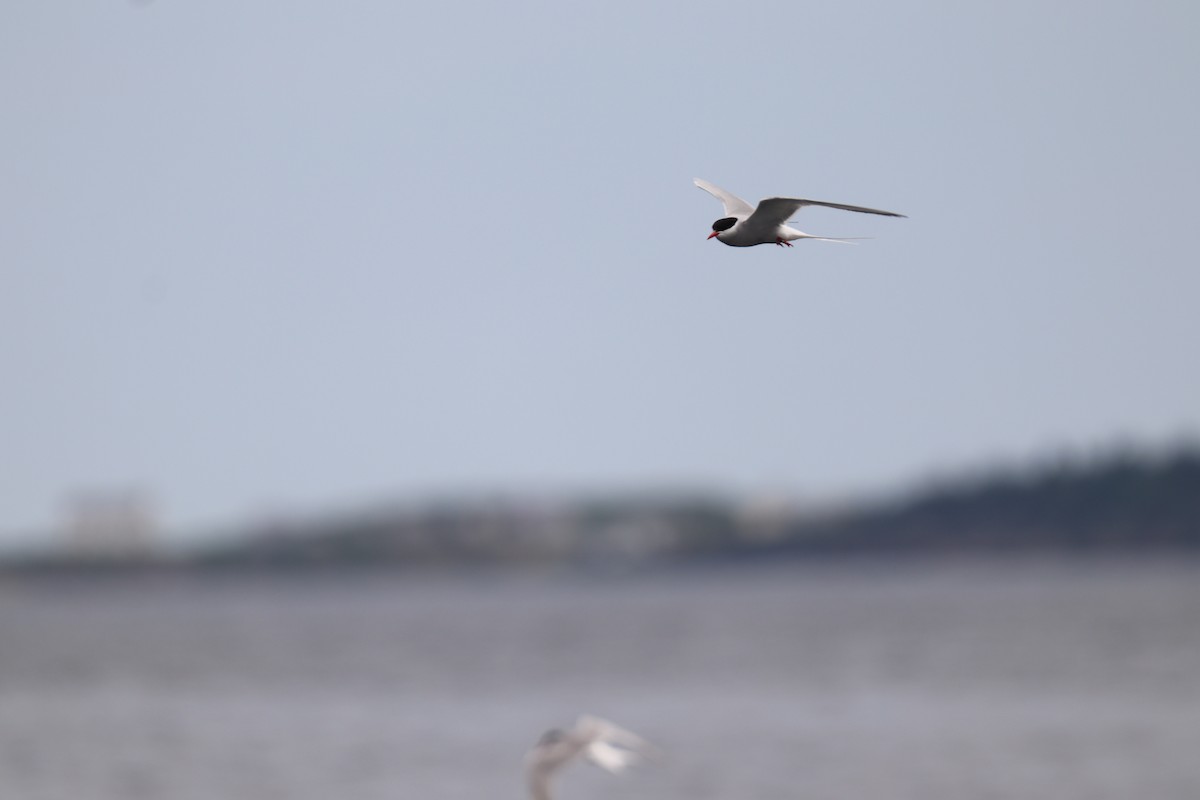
597, 728
734, 205
607, 757
610, 746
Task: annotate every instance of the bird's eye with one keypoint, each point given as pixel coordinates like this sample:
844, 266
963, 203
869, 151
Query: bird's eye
724, 224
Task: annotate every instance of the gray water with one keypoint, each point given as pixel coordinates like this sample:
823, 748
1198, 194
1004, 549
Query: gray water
919, 680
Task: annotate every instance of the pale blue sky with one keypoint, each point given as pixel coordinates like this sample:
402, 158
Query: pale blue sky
283, 256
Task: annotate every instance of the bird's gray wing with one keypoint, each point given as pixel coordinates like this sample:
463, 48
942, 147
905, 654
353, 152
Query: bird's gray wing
777, 210
734, 205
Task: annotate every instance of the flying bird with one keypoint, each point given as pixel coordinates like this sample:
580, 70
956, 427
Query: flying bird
745, 226
599, 741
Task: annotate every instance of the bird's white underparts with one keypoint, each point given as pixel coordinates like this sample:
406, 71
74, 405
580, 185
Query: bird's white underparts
596, 740
745, 226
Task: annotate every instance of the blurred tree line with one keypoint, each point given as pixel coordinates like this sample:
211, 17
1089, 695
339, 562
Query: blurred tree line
1125, 501
1121, 502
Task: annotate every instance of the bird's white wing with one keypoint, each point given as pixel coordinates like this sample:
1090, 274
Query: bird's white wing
610, 746
607, 757
778, 210
734, 205
597, 729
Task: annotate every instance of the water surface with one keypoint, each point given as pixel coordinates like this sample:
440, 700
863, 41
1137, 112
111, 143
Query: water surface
937, 681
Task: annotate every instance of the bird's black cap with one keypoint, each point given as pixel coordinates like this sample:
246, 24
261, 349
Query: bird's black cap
724, 224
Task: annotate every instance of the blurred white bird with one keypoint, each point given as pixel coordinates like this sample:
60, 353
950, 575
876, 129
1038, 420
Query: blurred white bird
746, 226
599, 741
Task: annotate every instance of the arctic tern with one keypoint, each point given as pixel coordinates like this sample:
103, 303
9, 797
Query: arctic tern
599, 741
745, 226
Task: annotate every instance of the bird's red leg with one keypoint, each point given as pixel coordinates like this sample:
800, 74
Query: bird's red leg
779, 242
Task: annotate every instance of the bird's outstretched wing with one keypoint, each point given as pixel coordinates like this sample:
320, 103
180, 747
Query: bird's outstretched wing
734, 205
777, 210
610, 746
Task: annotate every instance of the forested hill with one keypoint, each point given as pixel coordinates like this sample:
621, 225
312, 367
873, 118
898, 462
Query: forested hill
1121, 502
1118, 503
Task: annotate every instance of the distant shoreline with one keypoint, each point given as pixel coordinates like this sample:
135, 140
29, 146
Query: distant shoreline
1123, 505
